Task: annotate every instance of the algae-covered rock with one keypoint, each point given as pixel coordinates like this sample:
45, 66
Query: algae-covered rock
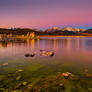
86, 70
24, 83
90, 89
32, 55
27, 55
2, 77
18, 78
5, 64
86, 73
2, 89
16, 91
66, 75
62, 85
29, 86
20, 70
74, 77
17, 86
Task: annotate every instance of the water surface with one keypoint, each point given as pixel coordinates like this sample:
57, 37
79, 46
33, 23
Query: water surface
72, 54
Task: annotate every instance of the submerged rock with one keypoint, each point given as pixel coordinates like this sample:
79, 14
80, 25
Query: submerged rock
2, 89
90, 89
62, 86
86, 70
18, 78
24, 83
74, 77
5, 64
51, 53
20, 70
66, 75
47, 53
15, 91
27, 55
30, 55
86, 73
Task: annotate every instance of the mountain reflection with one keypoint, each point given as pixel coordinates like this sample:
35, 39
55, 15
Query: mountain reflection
67, 43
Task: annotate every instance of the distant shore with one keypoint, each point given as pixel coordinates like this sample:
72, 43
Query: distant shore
47, 33
65, 36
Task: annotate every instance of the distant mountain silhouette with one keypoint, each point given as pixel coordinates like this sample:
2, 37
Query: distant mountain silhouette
88, 31
19, 31
60, 32
51, 31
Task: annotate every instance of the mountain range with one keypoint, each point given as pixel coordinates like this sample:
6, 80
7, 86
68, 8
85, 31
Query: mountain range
50, 31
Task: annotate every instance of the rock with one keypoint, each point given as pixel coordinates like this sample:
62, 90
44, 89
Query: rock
41, 50
27, 55
89, 89
62, 86
86, 70
51, 53
88, 75
29, 86
59, 74
18, 78
20, 70
32, 55
15, 91
66, 75
47, 53
24, 83
5, 64
74, 77
17, 86
2, 89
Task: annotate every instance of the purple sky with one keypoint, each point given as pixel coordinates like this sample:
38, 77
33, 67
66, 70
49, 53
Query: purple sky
45, 13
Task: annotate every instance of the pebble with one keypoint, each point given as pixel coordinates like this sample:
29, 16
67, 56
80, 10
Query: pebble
5, 64
86, 70
90, 89
20, 70
30, 55
18, 77
27, 55
24, 83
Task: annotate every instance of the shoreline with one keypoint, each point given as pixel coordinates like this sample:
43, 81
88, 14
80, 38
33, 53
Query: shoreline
63, 36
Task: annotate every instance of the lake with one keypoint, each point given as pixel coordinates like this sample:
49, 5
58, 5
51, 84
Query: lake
72, 54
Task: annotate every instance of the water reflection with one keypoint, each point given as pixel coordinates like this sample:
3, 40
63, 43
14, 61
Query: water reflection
53, 44
66, 49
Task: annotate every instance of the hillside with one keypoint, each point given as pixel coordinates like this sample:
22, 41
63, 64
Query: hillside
19, 31
88, 31
51, 31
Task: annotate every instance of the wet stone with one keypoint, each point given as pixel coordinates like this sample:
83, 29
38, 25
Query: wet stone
18, 78
90, 89
24, 83
5, 64
27, 55
66, 75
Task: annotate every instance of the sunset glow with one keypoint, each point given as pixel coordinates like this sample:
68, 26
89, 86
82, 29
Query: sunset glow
45, 13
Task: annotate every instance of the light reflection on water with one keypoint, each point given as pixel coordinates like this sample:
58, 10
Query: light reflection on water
75, 50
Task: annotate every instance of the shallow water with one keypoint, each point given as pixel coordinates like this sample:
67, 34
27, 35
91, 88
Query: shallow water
72, 54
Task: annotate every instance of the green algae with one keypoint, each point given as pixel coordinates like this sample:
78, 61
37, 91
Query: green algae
19, 81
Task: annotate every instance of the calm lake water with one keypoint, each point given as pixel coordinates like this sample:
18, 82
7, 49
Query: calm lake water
72, 54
